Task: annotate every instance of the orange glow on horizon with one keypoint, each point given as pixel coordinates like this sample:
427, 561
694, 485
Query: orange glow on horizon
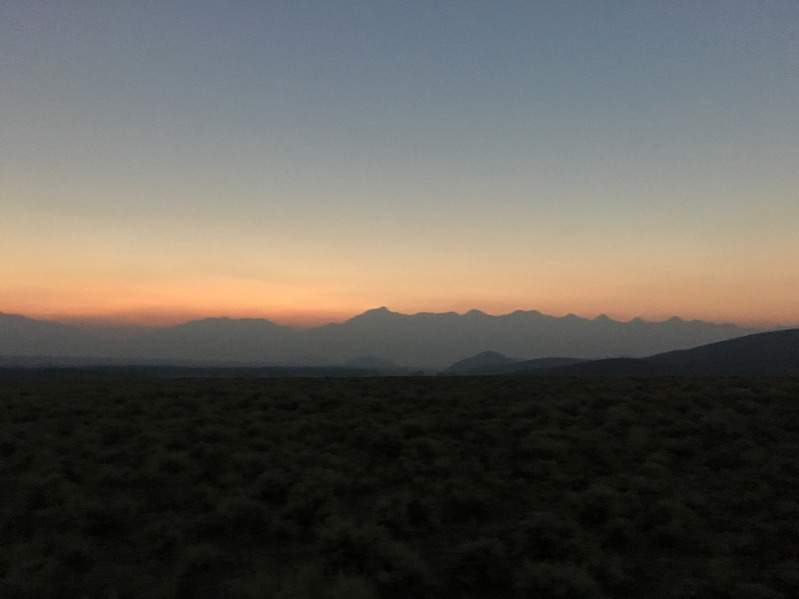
306, 317
165, 316
621, 295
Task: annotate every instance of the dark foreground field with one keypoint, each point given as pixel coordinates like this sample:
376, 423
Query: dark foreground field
403, 487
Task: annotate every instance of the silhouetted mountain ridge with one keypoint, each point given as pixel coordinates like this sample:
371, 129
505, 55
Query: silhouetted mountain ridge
424, 340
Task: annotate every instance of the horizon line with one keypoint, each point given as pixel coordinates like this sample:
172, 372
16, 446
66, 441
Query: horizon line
130, 321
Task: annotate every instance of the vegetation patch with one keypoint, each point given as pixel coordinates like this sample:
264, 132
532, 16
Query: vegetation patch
396, 487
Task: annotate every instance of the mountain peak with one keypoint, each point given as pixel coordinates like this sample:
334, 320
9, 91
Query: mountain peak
381, 311
226, 322
374, 315
480, 361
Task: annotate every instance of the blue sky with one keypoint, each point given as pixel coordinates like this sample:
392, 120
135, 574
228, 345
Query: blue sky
306, 161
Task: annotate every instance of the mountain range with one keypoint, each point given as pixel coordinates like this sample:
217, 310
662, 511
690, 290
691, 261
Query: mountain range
377, 338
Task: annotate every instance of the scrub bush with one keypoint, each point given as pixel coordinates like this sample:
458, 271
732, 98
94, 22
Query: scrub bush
556, 580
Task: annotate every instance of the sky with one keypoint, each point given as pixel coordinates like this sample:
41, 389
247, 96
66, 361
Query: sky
306, 161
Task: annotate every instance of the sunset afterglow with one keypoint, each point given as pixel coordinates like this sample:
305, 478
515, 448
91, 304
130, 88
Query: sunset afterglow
304, 162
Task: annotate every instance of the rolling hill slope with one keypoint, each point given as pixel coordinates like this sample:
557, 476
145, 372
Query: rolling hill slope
775, 353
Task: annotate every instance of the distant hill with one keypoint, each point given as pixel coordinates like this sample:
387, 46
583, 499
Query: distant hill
429, 341
22, 336
774, 353
490, 362
483, 363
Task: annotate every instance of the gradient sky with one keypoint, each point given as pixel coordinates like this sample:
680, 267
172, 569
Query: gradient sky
306, 161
